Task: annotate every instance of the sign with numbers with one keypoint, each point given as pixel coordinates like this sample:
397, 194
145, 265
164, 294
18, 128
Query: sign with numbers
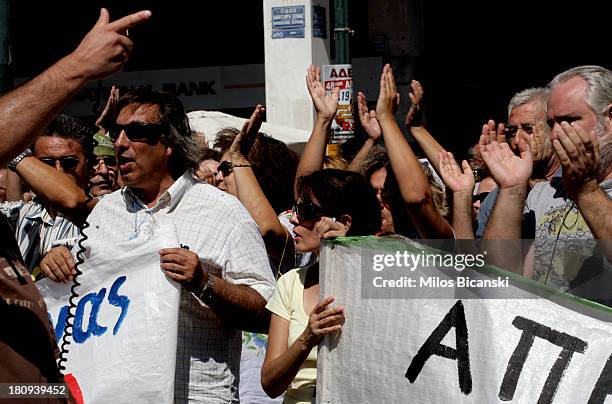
341, 76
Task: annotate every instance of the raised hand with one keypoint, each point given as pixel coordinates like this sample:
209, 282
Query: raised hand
241, 146
453, 177
325, 105
414, 118
578, 154
112, 100
323, 320
388, 97
508, 169
106, 48
368, 119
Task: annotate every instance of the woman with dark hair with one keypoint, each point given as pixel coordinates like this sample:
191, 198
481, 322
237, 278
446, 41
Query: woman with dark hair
331, 203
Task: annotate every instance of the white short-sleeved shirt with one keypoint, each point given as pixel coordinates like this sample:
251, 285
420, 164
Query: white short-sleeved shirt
218, 228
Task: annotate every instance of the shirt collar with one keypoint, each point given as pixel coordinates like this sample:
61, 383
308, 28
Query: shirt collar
39, 212
170, 198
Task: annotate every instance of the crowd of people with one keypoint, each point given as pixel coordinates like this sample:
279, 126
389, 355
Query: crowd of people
254, 213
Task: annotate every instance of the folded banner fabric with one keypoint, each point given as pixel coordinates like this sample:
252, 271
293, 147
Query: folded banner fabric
123, 342
521, 344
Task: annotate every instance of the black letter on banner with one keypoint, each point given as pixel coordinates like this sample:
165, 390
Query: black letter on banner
454, 318
603, 387
531, 329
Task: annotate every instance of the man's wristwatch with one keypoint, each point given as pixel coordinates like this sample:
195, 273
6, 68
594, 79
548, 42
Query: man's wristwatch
206, 293
13, 164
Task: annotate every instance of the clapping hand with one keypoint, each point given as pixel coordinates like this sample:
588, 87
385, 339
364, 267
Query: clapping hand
578, 153
414, 116
453, 177
507, 169
368, 119
388, 98
325, 105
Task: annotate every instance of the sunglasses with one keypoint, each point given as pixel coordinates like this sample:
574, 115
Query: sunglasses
225, 168
307, 211
109, 161
67, 162
480, 197
136, 131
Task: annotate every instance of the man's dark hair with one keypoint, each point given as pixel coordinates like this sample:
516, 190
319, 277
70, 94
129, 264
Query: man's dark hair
70, 127
340, 192
171, 114
210, 154
274, 166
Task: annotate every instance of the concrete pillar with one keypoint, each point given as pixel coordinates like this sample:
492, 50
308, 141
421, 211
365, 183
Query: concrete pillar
287, 57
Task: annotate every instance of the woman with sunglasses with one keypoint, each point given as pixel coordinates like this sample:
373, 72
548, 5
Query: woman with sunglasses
331, 203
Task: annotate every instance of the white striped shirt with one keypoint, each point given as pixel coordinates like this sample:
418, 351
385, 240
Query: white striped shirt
36, 230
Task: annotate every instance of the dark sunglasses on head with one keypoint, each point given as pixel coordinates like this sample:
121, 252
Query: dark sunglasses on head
480, 197
136, 131
67, 162
307, 210
225, 168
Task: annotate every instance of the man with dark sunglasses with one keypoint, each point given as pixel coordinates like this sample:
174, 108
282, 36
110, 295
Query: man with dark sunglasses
224, 271
64, 146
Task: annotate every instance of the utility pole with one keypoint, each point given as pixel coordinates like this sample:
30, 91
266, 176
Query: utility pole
5, 80
340, 75
342, 33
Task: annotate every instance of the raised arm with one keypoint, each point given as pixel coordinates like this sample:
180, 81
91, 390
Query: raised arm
503, 232
57, 189
461, 183
326, 107
511, 173
29, 108
113, 97
413, 184
372, 129
414, 123
279, 243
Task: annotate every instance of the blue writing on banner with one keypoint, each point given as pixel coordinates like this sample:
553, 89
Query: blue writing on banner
95, 300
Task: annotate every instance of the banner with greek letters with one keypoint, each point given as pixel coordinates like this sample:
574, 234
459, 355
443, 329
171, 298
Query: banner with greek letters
123, 342
523, 343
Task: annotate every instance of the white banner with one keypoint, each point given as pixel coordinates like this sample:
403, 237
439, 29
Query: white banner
123, 342
523, 350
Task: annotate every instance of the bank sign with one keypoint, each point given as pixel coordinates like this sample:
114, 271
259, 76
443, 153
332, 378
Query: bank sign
210, 88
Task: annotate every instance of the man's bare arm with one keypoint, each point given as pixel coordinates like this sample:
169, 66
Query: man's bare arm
239, 305
57, 189
29, 108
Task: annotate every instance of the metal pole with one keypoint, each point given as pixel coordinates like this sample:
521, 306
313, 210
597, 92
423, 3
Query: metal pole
5, 80
342, 32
